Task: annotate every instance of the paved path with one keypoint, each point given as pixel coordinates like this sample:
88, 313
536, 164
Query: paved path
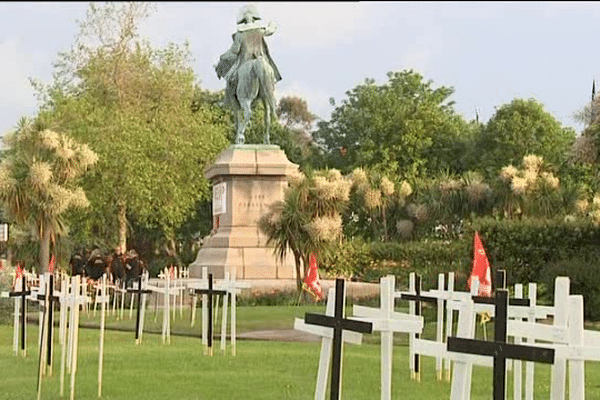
282, 335
356, 289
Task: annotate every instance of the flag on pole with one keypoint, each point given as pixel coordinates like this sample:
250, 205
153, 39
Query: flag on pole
52, 264
18, 271
481, 268
311, 281
18, 275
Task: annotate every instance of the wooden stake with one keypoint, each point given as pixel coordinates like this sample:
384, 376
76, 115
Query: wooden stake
43, 339
104, 300
166, 331
193, 310
64, 310
224, 317
131, 307
123, 292
75, 319
233, 313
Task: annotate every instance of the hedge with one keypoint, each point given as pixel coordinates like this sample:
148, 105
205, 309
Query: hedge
370, 261
531, 250
524, 248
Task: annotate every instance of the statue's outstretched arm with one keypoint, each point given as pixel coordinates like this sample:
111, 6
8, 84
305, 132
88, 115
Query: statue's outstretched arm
271, 28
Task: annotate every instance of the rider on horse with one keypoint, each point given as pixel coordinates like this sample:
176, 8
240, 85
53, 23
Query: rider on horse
248, 44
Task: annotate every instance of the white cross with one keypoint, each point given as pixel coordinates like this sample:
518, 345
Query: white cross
387, 321
18, 286
233, 287
166, 291
326, 343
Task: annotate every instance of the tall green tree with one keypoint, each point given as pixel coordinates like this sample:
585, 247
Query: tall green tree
39, 181
583, 165
520, 128
140, 108
405, 126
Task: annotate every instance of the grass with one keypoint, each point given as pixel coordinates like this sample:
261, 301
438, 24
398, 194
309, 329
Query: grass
249, 318
260, 370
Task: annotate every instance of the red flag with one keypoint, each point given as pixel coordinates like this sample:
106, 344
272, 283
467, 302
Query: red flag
18, 275
481, 268
311, 281
18, 271
172, 271
52, 264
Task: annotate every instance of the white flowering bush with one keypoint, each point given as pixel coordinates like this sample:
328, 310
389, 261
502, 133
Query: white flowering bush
39, 180
532, 190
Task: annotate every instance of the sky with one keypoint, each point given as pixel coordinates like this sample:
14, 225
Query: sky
489, 52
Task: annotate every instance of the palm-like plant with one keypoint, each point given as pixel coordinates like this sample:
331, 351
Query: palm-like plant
309, 217
38, 180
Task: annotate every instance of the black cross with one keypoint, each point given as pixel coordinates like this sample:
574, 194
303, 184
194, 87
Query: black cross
500, 349
139, 292
23, 294
501, 284
417, 298
339, 324
210, 293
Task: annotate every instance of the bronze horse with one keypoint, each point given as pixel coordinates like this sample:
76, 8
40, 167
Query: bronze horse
256, 80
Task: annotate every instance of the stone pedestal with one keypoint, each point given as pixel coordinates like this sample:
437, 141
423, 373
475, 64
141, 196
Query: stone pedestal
246, 180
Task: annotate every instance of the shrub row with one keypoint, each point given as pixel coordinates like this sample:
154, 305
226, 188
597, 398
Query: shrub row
370, 261
525, 248
529, 250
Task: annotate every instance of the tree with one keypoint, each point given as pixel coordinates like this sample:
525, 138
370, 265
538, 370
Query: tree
294, 114
290, 132
298, 121
584, 156
309, 218
402, 127
141, 110
38, 181
520, 128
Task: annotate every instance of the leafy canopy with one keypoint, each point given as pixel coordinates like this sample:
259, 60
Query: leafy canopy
404, 126
137, 107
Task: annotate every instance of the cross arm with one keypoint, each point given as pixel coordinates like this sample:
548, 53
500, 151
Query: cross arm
393, 325
349, 324
370, 312
519, 352
327, 333
17, 294
511, 302
411, 296
555, 334
139, 291
206, 291
439, 349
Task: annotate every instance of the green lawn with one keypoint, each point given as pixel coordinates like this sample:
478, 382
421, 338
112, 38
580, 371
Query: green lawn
249, 318
260, 370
